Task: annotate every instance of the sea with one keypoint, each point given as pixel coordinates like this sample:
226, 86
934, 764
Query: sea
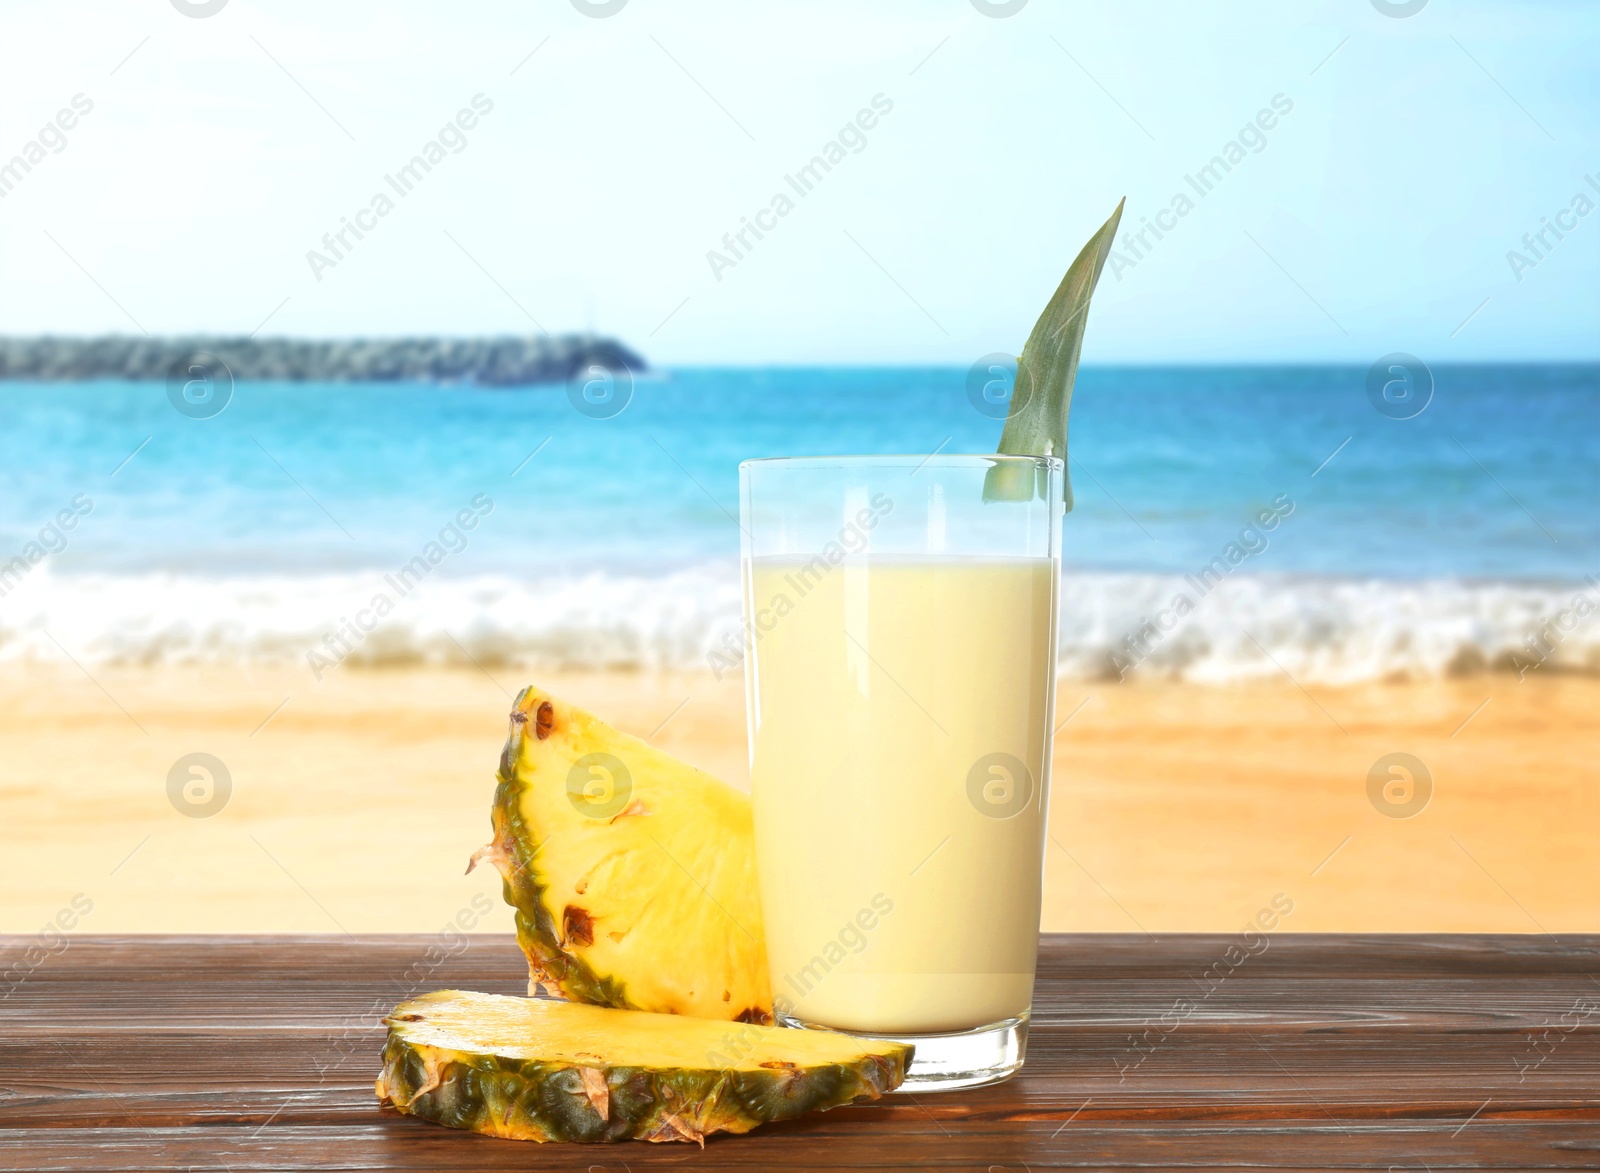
1463, 538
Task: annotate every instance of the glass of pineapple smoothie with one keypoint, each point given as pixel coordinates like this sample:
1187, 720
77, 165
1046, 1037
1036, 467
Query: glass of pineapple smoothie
900, 618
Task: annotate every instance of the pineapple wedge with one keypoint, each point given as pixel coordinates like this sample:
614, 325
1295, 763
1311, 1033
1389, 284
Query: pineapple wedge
534, 1069
632, 874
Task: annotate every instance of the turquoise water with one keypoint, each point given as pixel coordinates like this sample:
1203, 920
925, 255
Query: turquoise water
1167, 463
306, 489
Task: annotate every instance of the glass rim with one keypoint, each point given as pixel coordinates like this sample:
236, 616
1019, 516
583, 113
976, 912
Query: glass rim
898, 460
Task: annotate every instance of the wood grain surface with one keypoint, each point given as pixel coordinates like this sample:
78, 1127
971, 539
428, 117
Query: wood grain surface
1315, 1052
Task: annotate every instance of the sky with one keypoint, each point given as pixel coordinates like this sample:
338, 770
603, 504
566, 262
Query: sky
1371, 210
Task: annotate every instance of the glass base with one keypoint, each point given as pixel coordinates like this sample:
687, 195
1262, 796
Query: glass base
944, 1062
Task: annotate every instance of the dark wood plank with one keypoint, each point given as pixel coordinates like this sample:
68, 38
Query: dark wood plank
410, 1145
1336, 1052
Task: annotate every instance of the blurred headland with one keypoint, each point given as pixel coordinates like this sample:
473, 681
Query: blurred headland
503, 361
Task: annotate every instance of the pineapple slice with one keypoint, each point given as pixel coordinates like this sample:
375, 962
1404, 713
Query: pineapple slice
534, 1069
632, 874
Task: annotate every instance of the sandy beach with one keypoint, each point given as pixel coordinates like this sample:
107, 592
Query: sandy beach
355, 801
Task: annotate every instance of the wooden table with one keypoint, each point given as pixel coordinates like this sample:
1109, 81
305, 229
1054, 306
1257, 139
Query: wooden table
1315, 1052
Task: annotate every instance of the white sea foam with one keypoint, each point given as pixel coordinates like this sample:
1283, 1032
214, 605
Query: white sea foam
1315, 629
1330, 631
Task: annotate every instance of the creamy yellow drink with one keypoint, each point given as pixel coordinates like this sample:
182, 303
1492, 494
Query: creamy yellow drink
900, 711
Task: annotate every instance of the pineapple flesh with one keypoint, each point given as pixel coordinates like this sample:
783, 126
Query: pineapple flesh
536, 1069
632, 874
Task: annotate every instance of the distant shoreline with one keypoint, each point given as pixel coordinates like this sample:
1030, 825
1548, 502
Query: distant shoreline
504, 361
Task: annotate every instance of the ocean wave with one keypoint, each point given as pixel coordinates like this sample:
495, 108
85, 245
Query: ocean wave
1323, 630
1128, 626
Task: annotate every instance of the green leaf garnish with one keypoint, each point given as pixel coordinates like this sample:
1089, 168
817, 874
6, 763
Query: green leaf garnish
1042, 394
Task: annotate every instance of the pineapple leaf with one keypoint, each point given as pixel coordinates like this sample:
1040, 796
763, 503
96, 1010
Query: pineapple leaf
1045, 374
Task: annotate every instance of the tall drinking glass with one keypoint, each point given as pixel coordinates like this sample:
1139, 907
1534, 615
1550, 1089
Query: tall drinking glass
901, 627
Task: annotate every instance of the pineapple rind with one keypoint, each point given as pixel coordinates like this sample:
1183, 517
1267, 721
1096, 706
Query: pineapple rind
521, 1098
